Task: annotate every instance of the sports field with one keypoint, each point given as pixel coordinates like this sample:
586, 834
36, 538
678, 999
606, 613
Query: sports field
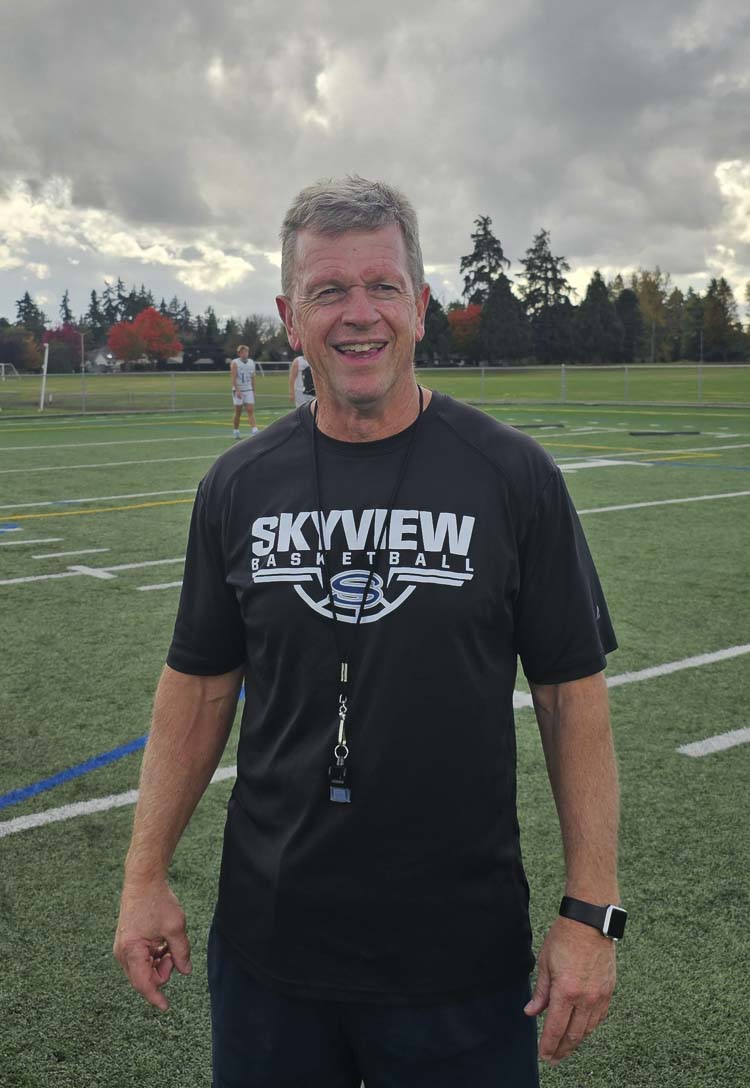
93, 520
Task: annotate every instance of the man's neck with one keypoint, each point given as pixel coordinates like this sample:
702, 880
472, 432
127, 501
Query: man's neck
368, 423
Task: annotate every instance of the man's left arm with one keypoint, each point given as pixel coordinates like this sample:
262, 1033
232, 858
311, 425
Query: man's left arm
576, 972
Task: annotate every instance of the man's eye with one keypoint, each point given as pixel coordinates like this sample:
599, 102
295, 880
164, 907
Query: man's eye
328, 294
384, 289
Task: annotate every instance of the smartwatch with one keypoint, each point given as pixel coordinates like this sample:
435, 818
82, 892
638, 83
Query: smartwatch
609, 920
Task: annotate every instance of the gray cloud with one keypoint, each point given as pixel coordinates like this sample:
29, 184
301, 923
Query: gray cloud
197, 124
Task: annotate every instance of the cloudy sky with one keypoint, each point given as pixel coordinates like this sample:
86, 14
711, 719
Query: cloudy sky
162, 142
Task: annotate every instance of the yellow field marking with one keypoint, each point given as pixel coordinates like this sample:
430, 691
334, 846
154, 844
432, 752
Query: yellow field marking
627, 449
692, 456
102, 509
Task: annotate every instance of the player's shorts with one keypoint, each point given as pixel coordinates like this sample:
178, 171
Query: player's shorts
245, 396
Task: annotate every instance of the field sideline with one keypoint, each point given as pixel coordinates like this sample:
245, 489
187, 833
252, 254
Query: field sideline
93, 519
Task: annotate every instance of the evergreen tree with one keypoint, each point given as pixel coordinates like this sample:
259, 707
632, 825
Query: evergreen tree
484, 264
719, 321
504, 333
184, 320
545, 293
30, 316
673, 320
230, 336
598, 331
66, 314
96, 321
211, 328
110, 305
652, 289
435, 345
691, 341
629, 312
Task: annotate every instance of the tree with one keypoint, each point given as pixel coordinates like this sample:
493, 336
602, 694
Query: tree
464, 323
18, 346
150, 334
598, 331
96, 321
629, 312
66, 314
484, 264
652, 289
674, 311
30, 316
691, 341
64, 348
545, 293
720, 321
747, 303
436, 342
125, 342
504, 332
211, 328
110, 305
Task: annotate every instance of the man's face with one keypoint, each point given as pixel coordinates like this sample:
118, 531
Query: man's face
354, 314
244, 353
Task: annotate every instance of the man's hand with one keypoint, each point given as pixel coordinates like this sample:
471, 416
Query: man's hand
151, 938
575, 981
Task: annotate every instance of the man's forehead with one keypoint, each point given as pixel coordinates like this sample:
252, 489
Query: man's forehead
315, 250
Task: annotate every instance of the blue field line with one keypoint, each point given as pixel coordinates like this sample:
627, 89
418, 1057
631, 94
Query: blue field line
8, 528
16, 796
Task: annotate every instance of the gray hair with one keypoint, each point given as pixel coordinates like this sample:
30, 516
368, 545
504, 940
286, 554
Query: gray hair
335, 206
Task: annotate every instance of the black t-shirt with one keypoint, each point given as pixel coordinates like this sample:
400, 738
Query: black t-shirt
415, 891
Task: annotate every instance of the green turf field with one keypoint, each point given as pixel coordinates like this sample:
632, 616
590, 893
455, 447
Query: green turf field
668, 520
209, 392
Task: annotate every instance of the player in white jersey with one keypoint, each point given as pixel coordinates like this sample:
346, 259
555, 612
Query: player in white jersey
243, 388
301, 387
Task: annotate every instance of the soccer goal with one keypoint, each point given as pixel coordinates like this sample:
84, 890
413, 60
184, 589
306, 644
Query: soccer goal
7, 370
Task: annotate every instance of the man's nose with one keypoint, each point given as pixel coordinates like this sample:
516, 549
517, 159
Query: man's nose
359, 308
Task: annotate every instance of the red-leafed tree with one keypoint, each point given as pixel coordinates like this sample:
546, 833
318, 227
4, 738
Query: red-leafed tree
464, 323
64, 348
150, 333
125, 342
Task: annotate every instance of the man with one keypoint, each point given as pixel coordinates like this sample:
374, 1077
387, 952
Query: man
373, 567
301, 383
243, 389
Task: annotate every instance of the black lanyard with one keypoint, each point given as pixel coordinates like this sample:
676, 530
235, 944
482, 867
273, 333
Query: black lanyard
339, 791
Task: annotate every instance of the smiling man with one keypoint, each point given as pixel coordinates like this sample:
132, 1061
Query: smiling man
374, 564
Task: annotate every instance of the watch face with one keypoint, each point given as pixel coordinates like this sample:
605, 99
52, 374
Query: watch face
615, 925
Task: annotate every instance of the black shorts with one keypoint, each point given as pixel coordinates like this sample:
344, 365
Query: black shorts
262, 1039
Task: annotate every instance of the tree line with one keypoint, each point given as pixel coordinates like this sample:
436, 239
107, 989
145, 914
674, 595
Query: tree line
535, 319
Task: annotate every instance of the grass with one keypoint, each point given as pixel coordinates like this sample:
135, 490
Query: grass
81, 657
202, 392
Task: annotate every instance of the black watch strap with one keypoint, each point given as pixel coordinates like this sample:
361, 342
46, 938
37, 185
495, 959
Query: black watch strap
609, 920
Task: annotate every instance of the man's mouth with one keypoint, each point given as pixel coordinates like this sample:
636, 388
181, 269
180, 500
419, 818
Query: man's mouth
364, 349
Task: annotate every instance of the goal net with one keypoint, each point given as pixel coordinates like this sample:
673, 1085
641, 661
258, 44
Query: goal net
7, 370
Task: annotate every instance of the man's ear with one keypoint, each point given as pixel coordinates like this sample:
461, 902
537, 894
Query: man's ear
423, 299
286, 313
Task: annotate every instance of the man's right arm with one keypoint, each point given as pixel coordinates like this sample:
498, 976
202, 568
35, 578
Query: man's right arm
192, 719
233, 372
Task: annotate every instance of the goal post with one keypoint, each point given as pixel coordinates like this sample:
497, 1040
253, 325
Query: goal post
7, 370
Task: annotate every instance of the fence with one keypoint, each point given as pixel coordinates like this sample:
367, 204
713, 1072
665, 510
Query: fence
680, 384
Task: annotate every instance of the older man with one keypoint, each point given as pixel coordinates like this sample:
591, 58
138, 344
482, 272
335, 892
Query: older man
374, 564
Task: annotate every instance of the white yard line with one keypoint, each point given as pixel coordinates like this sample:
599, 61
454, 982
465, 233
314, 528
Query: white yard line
61, 555
104, 573
39, 540
677, 666
520, 699
119, 442
573, 466
665, 502
718, 743
107, 464
162, 585
86, 808
98, 498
